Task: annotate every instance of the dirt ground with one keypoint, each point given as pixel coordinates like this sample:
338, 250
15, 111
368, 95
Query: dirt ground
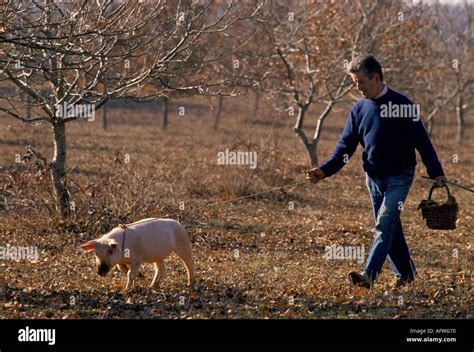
261, 257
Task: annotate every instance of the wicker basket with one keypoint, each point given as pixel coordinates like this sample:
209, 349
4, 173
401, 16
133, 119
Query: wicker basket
439, 216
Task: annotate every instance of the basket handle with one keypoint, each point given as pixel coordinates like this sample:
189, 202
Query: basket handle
436, 186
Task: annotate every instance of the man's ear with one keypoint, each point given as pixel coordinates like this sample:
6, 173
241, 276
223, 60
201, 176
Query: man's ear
378, 77
89, 246
113, 244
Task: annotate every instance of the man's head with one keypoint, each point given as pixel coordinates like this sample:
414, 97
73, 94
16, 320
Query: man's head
366, 73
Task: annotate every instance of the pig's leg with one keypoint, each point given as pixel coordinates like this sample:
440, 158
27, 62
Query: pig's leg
159, 274
187, 258
189, 264
184, 250
131, 275
123, 268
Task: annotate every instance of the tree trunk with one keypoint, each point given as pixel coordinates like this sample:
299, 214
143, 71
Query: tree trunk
309, 146
313, 146
104, 117
27, 98
429, 127
256, 107
58, 170
219, 111
165, 112
28, 108
460, 118
310, 150
312, 155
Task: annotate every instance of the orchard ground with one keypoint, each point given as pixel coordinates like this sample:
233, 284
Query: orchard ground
262, 257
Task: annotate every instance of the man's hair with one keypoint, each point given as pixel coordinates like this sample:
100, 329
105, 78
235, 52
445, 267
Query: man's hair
367, 64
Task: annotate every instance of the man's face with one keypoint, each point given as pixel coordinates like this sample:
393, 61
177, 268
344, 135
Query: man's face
369, 88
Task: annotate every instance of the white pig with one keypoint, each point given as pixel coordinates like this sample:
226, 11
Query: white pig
145, 241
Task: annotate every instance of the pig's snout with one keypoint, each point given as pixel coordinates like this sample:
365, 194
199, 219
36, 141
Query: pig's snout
103, 269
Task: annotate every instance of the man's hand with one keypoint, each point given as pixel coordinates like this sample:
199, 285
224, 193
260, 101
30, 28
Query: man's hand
440, 181
314, 175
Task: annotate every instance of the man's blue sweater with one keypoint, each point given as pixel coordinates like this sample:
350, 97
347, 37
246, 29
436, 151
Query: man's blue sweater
389, 142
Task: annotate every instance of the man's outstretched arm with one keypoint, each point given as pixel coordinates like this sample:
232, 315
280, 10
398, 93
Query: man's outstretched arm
343, 151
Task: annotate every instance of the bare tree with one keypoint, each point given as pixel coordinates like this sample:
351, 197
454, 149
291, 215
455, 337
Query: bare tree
312, 46
220, 108
452, 41
71, 58
225, 61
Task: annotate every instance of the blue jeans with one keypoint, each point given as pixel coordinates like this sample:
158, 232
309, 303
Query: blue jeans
388, 194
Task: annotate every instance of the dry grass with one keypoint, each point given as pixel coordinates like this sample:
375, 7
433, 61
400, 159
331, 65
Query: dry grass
255, 258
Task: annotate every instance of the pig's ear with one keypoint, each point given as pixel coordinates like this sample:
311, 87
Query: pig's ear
89, 246
113, 244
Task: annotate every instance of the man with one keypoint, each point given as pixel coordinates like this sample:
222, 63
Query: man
389, 141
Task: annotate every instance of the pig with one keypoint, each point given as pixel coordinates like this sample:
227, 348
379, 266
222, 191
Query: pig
145, 241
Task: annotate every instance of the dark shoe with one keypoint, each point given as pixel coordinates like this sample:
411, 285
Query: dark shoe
361, 280
400, 282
